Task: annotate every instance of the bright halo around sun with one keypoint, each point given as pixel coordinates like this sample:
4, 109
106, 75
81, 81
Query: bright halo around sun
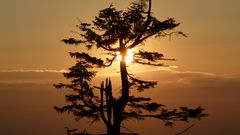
128, 58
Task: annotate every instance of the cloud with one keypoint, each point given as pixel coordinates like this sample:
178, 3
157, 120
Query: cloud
171, 76
20, 77
166, 76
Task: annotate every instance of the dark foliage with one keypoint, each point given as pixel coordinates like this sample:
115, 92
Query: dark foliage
129, 29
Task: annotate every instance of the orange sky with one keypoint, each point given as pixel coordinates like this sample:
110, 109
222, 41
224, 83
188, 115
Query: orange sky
206, 73
31, 32
27, 103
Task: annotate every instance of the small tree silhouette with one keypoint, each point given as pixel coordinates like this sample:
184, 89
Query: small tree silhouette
129, 29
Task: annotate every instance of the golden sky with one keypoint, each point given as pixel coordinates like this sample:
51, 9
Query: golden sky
31, 32
206, 71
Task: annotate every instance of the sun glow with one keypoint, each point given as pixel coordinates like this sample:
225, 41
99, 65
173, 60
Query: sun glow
128, 58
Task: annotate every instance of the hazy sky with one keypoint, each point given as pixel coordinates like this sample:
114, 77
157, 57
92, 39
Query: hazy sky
31, 31
206, 73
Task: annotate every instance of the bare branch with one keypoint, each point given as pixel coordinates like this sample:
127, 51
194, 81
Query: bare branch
101, 105
185, 130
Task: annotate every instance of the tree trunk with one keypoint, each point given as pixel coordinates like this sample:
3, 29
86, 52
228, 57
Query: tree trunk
114, 130
124, 77
120, 104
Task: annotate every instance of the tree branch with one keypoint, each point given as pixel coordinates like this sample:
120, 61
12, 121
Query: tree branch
140, 84
185, 130
101, 105
147, 23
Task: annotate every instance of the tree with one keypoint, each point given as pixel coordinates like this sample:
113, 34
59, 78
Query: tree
129, 29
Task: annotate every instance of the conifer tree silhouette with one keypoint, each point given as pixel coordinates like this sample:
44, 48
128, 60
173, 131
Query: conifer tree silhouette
129, 29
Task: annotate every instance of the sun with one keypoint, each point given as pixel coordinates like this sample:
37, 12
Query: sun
128, 58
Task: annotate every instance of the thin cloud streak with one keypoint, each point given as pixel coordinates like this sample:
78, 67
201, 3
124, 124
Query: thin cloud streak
171, 69
34, 70
163, 75
134, 71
